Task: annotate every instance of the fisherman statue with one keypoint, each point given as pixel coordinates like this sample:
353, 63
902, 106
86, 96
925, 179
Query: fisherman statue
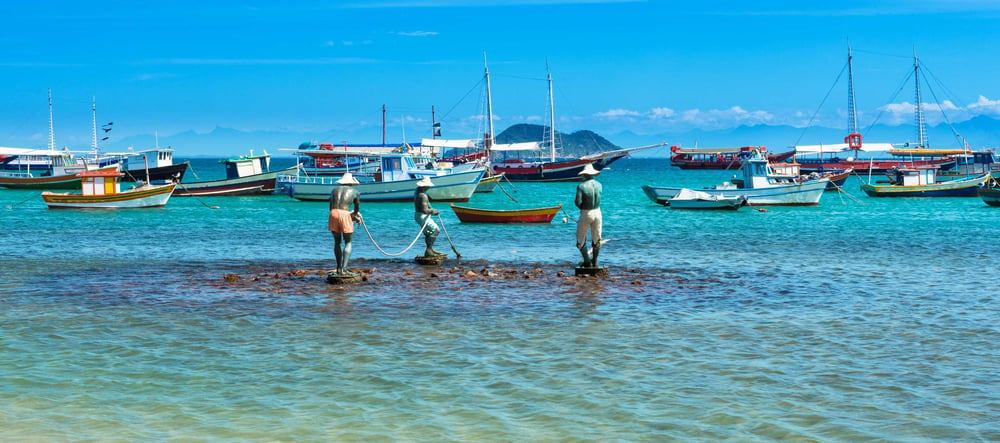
423, 216
588, 200
341, 220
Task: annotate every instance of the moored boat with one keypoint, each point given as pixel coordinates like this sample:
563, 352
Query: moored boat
245, 175
101, 189
691, 199
151, 165
718, 158
395, 181
990, 193
39, 169
488, 184
761, 185
527, 215
922, 182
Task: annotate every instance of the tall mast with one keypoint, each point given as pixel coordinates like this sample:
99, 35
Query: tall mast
52, 134
919, 118
552, 115
93, 111
489, 107
383, 127
852, 111
434, 124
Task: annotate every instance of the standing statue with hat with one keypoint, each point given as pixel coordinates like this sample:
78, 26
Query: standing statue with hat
422, 215
341, 220
588, 199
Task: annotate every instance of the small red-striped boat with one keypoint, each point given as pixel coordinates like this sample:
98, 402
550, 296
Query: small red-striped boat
531, 215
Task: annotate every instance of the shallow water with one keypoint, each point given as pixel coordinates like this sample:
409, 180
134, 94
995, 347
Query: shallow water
858, 319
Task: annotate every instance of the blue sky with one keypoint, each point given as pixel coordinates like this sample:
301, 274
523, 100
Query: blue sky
326, 68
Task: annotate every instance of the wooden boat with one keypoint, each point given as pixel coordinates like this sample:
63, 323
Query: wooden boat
151, 165
546, 167
245, 175
488, 184
761, 184
922, 182
718, 158
27, 180
990, 193
101, 189
691, 199
837, 178
530, 215
39, 169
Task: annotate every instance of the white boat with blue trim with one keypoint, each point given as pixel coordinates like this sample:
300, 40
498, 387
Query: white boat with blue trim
761, 186
394, 181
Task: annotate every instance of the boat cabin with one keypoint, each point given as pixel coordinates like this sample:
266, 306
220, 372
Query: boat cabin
101, 181
153, 158
247, 165
759, 173
913, 176
395, 167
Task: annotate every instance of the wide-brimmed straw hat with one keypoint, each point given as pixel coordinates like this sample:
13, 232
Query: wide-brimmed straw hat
425, 183
347, 179
589, 170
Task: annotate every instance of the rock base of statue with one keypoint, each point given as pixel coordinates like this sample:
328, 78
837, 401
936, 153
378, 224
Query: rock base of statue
434, 260
593, 272
334, 278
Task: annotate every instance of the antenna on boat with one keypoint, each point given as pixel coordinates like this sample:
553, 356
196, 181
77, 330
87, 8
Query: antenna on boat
52, 134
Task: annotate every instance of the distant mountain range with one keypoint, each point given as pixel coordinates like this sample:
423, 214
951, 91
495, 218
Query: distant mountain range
981, 132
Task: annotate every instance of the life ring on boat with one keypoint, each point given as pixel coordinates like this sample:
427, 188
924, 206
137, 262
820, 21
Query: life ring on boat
674, 148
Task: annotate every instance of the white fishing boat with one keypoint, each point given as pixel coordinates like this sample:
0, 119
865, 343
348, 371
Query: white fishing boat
395, 181
761, 186
691, 199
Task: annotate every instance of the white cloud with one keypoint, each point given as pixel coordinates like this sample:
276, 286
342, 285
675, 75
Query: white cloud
936, 113
617, 113
985, 106
661, 113
416, 33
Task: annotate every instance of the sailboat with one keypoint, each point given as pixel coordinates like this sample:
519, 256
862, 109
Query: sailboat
921, 180
881, 157
551, 169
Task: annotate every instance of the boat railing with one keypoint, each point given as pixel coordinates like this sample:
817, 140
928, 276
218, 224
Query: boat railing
17, 174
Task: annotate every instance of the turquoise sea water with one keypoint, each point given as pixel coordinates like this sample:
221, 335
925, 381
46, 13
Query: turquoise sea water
859, 319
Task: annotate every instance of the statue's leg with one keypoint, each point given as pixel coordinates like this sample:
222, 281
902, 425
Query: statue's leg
429, 241
586, 257
337, 251
596, 234
348, 246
